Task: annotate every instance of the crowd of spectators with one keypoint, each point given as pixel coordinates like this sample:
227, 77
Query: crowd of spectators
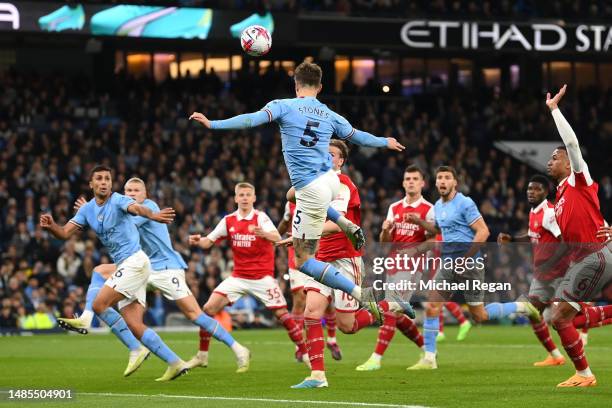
54, 129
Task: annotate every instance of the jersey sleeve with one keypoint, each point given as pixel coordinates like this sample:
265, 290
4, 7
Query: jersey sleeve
342, 128
219, 232
123, 202
470, 211
265, 222
431, 215
390, 216
139, 220
549, 222
582, 178
275, 109
79, 219
341, 201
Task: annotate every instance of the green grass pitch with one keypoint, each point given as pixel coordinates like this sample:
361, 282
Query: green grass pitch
492, 368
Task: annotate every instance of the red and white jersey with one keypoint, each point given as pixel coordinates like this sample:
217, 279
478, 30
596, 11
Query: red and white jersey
578, 212
288, 217
337, 246
404, 231
253, 256
545, 235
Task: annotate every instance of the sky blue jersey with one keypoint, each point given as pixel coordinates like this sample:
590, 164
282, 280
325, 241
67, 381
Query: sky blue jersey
112, 224
156, 243
306, 127
454, 219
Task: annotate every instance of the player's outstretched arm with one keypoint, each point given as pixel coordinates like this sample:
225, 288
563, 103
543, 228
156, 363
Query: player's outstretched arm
244, 121
165, 216
362, 138
63, 233
565, 130
202, 242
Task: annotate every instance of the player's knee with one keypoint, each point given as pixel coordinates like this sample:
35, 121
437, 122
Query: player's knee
313, 312
345, 326
210, 309
99, 306
299, 301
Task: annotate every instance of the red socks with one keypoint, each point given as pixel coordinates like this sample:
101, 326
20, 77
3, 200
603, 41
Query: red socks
385, 333
572, 344
204, 340
410, 330
294, 331
543, 334
315, 343
456, 311
594, 316
330, 323
363, 318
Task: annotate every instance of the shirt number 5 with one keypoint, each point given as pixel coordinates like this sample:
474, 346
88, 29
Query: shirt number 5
308, 132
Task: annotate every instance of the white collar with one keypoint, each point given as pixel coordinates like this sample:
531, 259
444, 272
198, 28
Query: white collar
413, 205
562, 181
540, 206
338, 171
249, 216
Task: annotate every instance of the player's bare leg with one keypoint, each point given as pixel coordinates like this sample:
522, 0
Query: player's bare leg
315, 308
540, 329
214, 305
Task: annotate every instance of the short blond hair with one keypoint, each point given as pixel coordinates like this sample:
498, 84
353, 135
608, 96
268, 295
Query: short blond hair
244, 185
136, 180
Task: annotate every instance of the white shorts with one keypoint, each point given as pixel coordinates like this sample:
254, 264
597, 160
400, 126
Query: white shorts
266, 290
130, 279
171, 282
297, 279
311, 204
351, 268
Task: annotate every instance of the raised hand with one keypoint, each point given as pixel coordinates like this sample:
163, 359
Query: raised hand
553, 102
